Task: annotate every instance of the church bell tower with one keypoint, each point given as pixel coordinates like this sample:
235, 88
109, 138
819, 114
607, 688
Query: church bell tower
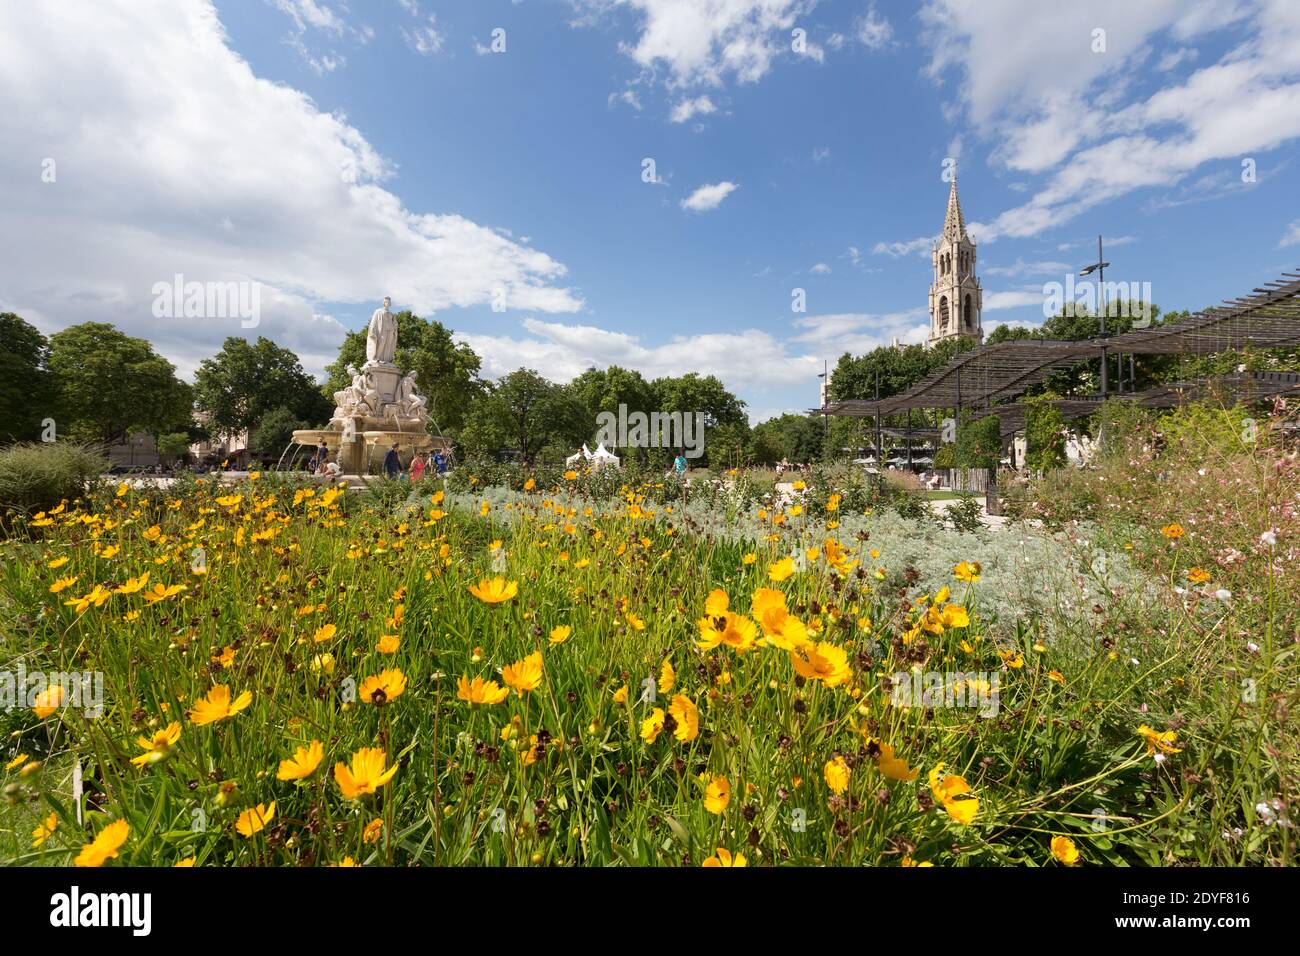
956, 299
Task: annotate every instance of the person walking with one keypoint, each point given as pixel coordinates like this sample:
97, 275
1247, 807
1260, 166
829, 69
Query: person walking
418, 465
392, 462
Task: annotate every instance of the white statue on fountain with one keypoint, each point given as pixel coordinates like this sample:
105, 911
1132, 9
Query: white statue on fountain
381, 336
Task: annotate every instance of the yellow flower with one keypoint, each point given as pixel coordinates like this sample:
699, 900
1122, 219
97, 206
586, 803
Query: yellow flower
218, 706
1056, 676
954, 615
49, 700
366, 775
530, 484
908, 861
185, 863
717, 795
967, 571
716, 604
105, 846
57, 563
303, 763
45, 830
1198, 575
161, 592
560, 634
1161, 740
384, 687
1063, 849
667, 677
1013, 659
372, 831
570, 475
749, 558
324, 633
781, 570
723, 857
620, 695
729, 628
94, 598
836, 773
783, 629
494, 591
480, 691
652, 725
388, 644
1173, 531
323, 662
947, 788
524, 675
63, 583
825, 662
687, 716
895, 768
255, 819
17, 762
159, 746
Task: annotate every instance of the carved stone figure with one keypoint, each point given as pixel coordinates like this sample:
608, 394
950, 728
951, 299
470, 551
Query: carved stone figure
381, 336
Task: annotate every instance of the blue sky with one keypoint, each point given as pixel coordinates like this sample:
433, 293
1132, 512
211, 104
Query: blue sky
338, 152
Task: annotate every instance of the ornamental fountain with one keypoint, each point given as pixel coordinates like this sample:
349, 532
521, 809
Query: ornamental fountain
380, 407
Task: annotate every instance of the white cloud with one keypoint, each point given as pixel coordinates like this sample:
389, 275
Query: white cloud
627, 97
859, 332
1292, 235
425, 40
820, 269
687, 108
872, 30
709, 196
218, 175
820, 153
309, 13
920, 245
748, 362
1022, 268
701, 43
996, 301
1031, 83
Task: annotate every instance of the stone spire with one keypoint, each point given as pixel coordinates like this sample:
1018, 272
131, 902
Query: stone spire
954, 225
956, 299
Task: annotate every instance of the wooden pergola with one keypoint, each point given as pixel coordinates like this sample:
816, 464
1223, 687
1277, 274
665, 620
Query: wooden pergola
988, 375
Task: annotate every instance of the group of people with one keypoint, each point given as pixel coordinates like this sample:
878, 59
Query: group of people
428, 462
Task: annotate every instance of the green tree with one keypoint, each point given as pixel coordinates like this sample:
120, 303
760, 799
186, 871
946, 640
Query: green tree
526, 413
174, 445
27, 393
446, 372
705, 394
1044, 433
979, 442
111, 384
797, 438
245, 381
275, 430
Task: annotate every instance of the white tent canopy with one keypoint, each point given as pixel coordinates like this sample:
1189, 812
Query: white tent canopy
599, 458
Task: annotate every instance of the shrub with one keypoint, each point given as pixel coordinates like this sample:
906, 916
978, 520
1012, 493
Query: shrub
965, 513
36, 476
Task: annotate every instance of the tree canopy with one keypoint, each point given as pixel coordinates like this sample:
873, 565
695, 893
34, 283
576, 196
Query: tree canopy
27, 390
111, 384
245, 381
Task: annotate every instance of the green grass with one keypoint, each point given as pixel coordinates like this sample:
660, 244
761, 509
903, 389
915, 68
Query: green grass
1061, 756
